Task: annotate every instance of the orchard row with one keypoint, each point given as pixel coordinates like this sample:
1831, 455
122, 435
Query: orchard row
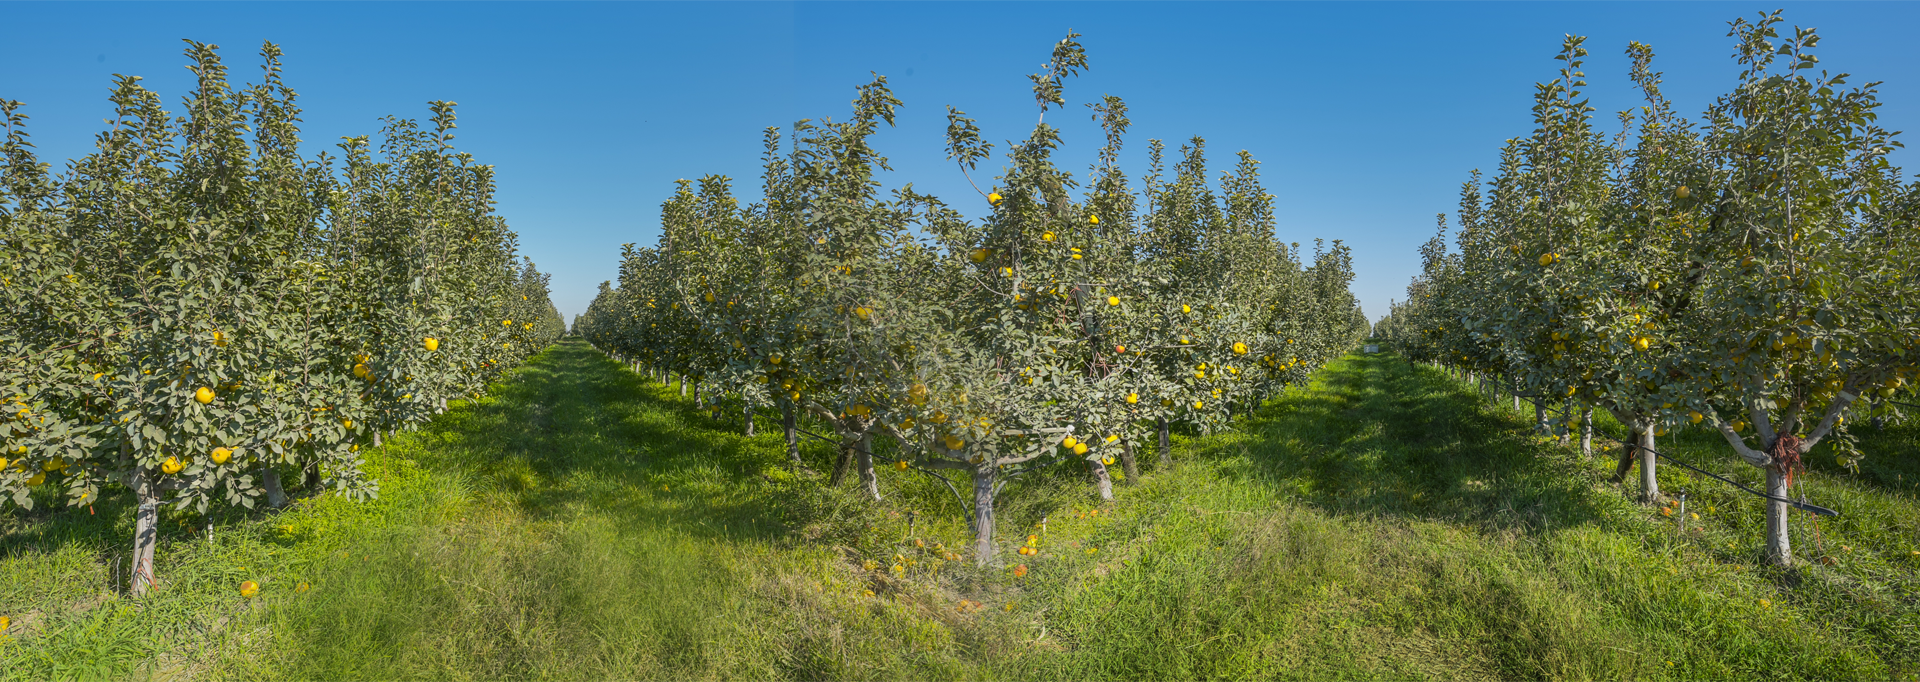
195, 311
1069, 327
1751, 272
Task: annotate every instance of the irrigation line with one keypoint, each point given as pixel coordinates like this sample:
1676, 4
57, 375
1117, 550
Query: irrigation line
1816, 509
805, 432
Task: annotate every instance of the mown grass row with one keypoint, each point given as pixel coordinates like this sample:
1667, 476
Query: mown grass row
1383, 522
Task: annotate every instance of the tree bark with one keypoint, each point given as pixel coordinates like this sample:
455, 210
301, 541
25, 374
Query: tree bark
1649, 480
840, 467
1166, 446
683, 385
746, 412
1128, 465
146, 532
270, 482
1102, 480
983, 476
1627, 449
1539, 414
1586, 433
1779, 546
869, 481
793, 435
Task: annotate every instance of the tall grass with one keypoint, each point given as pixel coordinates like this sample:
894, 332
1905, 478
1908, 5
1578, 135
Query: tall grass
579, 523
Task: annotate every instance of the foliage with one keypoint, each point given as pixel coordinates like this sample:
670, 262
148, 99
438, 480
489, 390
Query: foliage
1060, 329
1756, 272
195, 309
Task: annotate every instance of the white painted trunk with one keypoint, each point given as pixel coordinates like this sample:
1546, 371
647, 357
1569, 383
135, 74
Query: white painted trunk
1779, 546
1102, 480
1649, 480
1586, 433
146, 532
983, 515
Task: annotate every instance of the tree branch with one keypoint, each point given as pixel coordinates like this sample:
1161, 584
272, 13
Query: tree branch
1752, 456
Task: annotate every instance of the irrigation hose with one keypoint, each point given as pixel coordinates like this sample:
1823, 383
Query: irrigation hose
1816, 509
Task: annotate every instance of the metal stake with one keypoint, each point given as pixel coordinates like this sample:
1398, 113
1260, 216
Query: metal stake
1680, 519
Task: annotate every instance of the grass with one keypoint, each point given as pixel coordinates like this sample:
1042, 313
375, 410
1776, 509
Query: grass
1384, 522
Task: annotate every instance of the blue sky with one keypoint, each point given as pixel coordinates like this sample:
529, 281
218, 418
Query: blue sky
1366, 116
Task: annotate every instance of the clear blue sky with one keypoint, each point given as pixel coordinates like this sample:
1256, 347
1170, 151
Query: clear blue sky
1366, 116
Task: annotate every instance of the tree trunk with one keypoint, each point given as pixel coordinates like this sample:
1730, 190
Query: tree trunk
270, 482
869, 481
683, 385
1128, 465
1166, 446
1779, 547
146, 532
983, 476
1586, 433
793, 436
376, 438
840, 467
746, 412
1539, 415
311, 479
1102, 480
1627, 449
1649, 481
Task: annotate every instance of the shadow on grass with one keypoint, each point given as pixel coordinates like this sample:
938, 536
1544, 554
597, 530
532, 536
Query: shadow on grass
1374, 436
576, 430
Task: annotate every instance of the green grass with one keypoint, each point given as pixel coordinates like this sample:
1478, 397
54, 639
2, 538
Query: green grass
1385, 522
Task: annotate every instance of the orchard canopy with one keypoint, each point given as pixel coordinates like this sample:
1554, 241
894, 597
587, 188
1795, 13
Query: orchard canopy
196, 309
1751, 272
1070, 327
